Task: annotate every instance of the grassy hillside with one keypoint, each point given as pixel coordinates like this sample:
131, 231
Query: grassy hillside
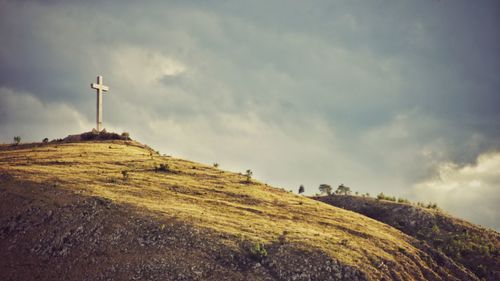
91, 210
475, 247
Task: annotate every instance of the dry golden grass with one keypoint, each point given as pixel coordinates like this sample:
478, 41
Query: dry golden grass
207, 197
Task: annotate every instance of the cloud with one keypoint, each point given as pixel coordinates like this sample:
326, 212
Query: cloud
372, 95
24, 115
471, 192
141, 66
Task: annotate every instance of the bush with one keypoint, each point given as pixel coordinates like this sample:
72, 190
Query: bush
103, 135
382, 196
126, 136
431, 205
344, 242
162, 168
248, 175
258, 252
125, 175
216, 165
301, 189
45, 140
403, 200
435, 229
17, 140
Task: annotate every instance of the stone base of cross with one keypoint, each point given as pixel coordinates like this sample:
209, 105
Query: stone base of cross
100, 89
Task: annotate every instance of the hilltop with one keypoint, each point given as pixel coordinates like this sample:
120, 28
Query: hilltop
475, 247
117, 210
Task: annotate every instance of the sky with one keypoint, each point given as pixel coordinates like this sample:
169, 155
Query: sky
400, 97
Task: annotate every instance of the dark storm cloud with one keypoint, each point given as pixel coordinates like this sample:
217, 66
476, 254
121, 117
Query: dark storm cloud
378, 95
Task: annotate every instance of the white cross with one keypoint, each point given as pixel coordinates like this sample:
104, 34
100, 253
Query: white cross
100, 88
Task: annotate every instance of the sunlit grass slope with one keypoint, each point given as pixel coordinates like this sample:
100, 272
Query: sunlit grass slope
213, 198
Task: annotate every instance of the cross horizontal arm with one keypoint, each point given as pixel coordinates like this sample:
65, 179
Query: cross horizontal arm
99, 87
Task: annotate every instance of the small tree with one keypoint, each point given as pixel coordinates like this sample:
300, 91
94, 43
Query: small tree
17, 140
342, 189
45, 140
216, 165
381, 196
325, 188
301, 189
248, 175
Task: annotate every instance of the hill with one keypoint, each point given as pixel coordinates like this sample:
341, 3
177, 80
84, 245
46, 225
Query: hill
117, 210
475, 247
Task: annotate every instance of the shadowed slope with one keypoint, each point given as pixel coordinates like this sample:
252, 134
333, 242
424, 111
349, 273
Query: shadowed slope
475, 247
305, 239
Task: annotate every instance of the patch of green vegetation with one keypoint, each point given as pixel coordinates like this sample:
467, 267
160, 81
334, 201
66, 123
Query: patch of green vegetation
382, 196
258, 252
248, 175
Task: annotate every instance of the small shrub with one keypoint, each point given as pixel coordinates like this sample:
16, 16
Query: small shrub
45, 140
301, 189
403, 200
125, 175
435, 229
258, 252
344, 242
382, 196
248, 175
431, 205
125, 136
17, 140
216, 165
162, 168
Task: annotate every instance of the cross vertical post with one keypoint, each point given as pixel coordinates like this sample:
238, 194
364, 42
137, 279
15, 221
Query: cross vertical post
100, 89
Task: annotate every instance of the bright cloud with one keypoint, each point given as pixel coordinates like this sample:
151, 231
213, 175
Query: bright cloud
471, 192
